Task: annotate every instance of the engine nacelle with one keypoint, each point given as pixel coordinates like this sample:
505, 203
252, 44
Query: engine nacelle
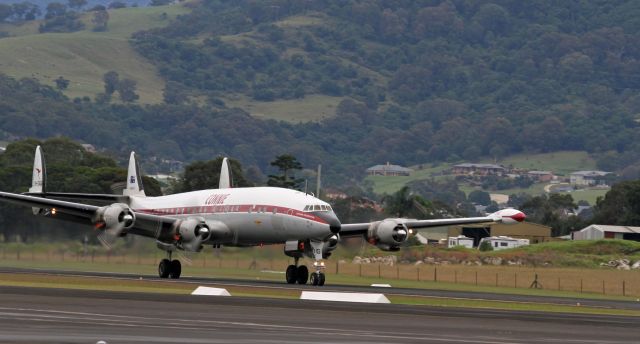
388, 234
192, 232
117, 215
330, 244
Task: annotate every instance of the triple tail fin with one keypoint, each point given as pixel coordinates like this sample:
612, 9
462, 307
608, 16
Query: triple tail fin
39, 178
134, 179
225, 175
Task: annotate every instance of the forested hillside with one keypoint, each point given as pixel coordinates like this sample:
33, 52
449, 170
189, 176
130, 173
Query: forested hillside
417, 81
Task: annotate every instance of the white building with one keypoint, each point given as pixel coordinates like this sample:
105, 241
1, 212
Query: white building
597, 232
460, 240
504, 242
588, 178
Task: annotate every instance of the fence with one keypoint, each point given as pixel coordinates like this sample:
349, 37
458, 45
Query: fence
580, 280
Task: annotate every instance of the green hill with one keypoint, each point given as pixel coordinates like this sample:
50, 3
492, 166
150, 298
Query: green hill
561, 163
83, 57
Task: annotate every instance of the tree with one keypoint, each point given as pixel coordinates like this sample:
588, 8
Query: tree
480, 197
55, 9
202, 175
160, 2
6, 11
127, 90
100, 20
76, 4
62, 83
117, 4
111, 82
286, 164
620, 206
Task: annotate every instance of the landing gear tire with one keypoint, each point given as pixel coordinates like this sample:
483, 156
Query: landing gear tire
176, 269
291, 274
317, 279
302, 274
164, 268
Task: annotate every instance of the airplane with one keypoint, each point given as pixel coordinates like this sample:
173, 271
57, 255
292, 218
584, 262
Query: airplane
242, 217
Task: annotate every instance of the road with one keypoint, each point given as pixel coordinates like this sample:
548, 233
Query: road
38, 315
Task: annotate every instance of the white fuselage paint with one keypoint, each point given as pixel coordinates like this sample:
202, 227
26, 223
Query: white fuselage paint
259, 215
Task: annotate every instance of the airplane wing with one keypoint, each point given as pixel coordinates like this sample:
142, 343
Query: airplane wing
503, 216
147, 225
97, 198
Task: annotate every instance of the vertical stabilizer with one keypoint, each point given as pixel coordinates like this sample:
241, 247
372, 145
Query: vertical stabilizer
39, 178
225, 175
134, 179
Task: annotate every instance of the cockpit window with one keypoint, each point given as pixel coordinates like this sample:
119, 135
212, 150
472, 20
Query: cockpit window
324, 207
306, 208
316, 207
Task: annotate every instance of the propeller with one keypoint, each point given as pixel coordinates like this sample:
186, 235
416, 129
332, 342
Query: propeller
111, 230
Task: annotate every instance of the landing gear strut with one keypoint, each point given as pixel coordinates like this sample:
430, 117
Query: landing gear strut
317, 277
295, 273
169, 268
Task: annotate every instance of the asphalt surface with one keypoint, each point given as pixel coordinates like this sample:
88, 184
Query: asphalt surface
39, 315
465, 295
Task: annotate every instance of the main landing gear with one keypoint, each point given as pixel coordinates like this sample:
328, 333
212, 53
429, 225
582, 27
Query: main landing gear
169, 268
297, 274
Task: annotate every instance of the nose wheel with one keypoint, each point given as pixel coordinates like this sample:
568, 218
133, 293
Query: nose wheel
317, 278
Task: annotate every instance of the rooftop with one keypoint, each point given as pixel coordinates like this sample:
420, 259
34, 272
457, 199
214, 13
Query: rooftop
479, 166
389, 168
614, 229
590, 173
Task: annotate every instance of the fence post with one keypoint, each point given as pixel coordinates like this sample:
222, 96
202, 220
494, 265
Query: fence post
496, 279
455, 276
476, 277
623, 289
559, 285
603, 291
581, 286
435, 274
359, 270
515, 280
418, 273
379, 272
337, 267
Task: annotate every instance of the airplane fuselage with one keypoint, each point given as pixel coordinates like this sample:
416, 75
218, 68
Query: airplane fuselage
258, 215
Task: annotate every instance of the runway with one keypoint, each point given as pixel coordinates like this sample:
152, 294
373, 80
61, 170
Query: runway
464, 295
38, 315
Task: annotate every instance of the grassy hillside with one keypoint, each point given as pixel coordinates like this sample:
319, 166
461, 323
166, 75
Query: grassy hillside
310, 108
561, 163
83, 57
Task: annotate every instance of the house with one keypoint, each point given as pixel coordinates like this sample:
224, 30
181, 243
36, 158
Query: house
588, 178
597, 232
541, 176
533, 232
89, 147
504, 242
468, 169
388, 170
460, 240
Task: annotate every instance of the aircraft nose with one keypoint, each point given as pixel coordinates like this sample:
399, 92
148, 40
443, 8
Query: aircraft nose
332, 220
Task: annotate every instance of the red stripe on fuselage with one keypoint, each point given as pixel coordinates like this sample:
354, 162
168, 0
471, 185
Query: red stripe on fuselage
225, 209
